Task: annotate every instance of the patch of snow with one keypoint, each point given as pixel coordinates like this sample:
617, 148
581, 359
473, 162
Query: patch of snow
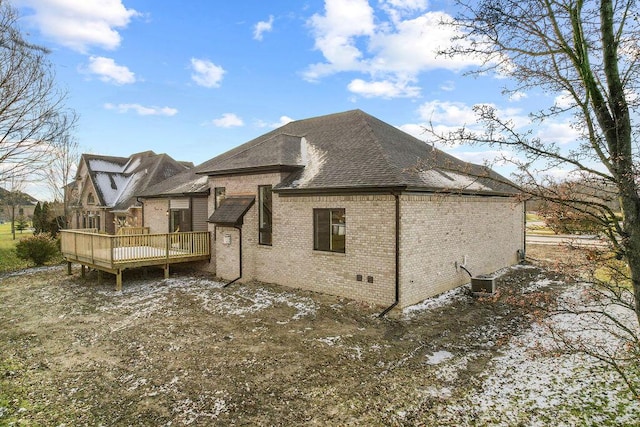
534, 383
131, 165
330, 341
99, 165
438, 357
106, 183
313, 159
452, 180
540, 284
460, 293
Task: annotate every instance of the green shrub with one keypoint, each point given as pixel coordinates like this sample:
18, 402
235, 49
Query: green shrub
39, 248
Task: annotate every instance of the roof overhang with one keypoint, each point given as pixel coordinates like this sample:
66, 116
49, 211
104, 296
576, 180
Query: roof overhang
231, 211
203, 193
252, 170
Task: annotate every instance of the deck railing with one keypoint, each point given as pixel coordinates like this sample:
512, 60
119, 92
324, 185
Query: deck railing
125, 231
114, 252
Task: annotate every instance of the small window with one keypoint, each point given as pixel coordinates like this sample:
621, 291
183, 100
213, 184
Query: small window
219, 193
90, 199
329, 229
265, 202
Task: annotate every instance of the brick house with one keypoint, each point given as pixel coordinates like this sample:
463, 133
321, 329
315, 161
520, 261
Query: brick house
103, 194
347, 205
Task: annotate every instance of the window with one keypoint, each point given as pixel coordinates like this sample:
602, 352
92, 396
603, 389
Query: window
91, 200
264, 205
329, 228
219, 193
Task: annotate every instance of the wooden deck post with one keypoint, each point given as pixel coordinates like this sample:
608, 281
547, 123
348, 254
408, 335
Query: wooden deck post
119, 280
83, 273
166, 271
99, 277
68, 268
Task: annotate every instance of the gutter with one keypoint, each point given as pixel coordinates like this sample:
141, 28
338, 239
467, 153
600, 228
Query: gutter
396, 195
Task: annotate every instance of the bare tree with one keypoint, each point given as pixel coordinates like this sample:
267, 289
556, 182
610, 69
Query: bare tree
586, 52
64, 157
31, 106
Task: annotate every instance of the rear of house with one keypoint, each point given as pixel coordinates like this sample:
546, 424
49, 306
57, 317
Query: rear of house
347, 205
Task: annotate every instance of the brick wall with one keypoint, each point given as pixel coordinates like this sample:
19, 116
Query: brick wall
155, 215
438, 231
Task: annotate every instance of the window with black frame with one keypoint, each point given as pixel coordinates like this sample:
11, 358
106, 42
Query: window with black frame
265, 202
329, 230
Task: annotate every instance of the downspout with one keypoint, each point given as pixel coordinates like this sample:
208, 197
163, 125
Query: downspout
142, 203
397, 257
239, 228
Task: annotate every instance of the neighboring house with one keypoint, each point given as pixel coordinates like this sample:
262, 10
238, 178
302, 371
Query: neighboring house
348, 205
103, 194
16, 203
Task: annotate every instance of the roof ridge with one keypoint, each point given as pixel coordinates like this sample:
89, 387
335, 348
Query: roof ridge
384, 153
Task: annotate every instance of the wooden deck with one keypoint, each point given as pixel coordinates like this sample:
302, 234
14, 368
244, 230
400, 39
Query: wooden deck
114, 254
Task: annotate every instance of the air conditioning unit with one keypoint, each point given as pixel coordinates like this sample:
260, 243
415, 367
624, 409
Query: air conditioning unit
483, 285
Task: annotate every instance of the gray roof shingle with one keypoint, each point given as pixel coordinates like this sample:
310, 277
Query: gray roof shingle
232, 210
354, 150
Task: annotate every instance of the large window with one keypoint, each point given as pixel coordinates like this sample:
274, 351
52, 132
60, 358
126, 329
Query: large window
265, 214
329, 228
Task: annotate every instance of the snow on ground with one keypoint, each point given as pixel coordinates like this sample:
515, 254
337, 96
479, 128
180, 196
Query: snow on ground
457, 294
143, 298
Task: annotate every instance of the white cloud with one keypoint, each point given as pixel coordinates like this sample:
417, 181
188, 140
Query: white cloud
206, 73
561, 133
448, 86
447, 113
335, 33
262, 27
458, 114
490, 157
352, 38
142, 110
228, 120
383, 89
283, 121
109, 71
80, 25
564, 100
517, 96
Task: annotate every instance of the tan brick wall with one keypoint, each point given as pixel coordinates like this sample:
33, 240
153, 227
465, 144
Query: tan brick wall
369, 249
155, 215
438, 231
291, 260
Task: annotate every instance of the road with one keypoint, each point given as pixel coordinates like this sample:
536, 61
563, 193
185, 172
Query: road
565, 239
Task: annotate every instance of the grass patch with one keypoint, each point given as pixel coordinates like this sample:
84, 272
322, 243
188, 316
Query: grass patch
533, 217
9, 260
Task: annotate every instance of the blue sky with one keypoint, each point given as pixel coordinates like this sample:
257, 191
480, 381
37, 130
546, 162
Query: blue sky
195, 78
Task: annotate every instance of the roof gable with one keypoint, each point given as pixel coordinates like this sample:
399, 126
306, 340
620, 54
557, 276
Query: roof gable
117, 179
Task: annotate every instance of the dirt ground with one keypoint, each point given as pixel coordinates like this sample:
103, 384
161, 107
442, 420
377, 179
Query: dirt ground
185, 351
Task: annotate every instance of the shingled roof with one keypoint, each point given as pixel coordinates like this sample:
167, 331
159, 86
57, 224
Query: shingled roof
354, 150
117, 180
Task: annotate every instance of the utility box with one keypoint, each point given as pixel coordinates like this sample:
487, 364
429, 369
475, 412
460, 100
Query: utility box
483, 285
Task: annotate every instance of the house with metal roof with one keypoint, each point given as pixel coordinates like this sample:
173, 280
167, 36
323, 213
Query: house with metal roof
348, 205
103, 194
